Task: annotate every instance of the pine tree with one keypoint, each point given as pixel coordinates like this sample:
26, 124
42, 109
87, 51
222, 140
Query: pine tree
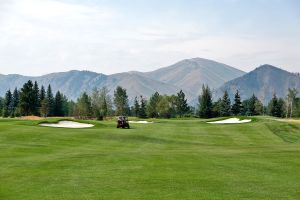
50, 101
281, 107
58, 105
65, 105
216, 108
245, 108
121, 101
251, 105
136, 107
225, 105
237, 106
27, 99
36, 99
42, 94
8, 104
16, 102
181, 104
142, 110
1, 106
71, 108
205, 103
275, 107
152, 105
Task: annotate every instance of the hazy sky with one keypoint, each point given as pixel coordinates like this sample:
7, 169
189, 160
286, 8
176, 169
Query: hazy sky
109, 36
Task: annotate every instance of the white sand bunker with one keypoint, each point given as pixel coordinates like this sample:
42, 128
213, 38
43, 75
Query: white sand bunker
140, 122
67, 124
231, 121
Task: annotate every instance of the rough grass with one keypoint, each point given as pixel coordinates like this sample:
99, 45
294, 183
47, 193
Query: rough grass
169, 159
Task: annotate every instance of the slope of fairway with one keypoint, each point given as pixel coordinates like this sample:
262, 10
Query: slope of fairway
168, 159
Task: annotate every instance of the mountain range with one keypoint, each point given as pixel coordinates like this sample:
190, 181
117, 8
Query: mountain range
188, 75
264, 81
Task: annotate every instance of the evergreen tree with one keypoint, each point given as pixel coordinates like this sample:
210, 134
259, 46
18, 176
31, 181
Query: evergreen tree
36, 99
121, 101
58, 105
237, 105
216, 108
225, 105
275, 107
181, 104
136, 107
142, 110
251, 105
65, 106
8, 104
27, 99
42, 94
1, 106
50, 101
281, 107
152, 105
245, 108
15, 103
205, 103
71, 110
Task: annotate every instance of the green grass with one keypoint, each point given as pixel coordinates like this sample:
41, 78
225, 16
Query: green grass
169, 159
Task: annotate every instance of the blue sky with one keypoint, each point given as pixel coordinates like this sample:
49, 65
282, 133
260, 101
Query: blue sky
39, 37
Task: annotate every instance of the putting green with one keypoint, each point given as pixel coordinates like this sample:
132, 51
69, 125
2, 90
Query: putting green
168, 159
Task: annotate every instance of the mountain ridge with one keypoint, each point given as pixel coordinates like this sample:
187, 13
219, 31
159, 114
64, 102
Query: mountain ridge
263, 82
72, 83
188, 75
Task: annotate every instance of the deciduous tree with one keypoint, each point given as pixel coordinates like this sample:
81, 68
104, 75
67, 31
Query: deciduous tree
121, 101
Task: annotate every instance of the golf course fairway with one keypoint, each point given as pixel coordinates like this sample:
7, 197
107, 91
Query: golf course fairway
168, 159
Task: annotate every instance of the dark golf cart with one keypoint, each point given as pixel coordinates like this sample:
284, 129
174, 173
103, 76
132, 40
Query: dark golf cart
122, 122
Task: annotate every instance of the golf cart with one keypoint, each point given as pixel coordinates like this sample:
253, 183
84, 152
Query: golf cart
122, 122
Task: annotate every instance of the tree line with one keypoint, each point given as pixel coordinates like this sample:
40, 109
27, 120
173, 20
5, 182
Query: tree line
34, 100
100, 105
277, 107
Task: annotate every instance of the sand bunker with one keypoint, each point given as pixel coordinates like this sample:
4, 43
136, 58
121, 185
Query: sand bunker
231, 121
31, 118
67, 124
140, 122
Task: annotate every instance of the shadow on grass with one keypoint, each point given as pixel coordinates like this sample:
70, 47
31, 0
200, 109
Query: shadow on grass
146, 139
287, 132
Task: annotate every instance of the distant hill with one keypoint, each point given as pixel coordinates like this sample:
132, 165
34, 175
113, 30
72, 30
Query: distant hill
264, 81
191, 74
188, 75
73, 83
